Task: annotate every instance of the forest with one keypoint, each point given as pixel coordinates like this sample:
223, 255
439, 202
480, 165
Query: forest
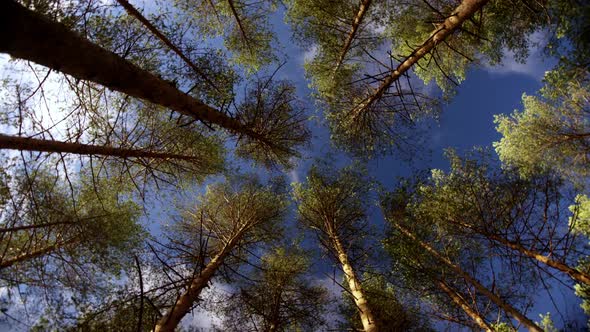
294, 165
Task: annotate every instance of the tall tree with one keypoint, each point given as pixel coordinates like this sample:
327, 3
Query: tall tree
59, 48
57, 237
552, 132
278, 296
387, 307
520, 218
331, 203
237, 215
244, 26
395, 210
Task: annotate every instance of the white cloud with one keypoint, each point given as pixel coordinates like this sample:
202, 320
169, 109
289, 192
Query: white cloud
309, 54
534, 66
294, 176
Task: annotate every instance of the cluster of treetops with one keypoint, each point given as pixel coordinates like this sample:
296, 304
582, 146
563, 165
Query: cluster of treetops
107, 108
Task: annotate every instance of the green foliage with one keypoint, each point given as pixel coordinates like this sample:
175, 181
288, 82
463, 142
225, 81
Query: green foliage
547, 323
385, 305
334, 202
273, 112
501, 26
552, 133
280, 296
241, 207
89, 222
69, 240
122, 316
243, 25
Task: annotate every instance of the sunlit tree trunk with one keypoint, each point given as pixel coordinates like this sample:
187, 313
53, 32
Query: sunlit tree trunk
366, 315
185, 302
572, 272
458, 300
363, 8
529, 324
36, 253
463, 12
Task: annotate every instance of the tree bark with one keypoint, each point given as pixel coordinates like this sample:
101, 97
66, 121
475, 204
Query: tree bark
184, 303
458, 300
364, 7
28, 35
463, 12
37, 253
239, 22
135, 13
522, 319
25, 227
366, 315
572, 272
34, 144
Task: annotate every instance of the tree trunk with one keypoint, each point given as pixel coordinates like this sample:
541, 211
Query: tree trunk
572, 272
25, 227
34, 144
463, 12
239, 22
366, 315
37, 253
522, 319
28, 35
353, 31
458, 300
184, 303
135, 13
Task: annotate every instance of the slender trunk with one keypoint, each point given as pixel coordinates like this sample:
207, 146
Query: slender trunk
366, 315
522, 319
458, 300
572, 272
135, 13
25, 227
36, 253
353, 31
239, 22
185, 302
28, 35
34, 144
463, 12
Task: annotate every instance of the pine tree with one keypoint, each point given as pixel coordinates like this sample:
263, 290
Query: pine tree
331, 203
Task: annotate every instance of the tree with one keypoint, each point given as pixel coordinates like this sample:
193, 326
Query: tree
552, 132
57, 238
278, 296
62, 50
243, 25
395, 210
518, 217
384, 299
336, 35
331, 203
237, 215
423, 277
